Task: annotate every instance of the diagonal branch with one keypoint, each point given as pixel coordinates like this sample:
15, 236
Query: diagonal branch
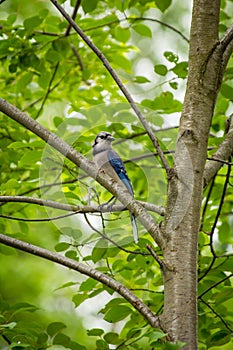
76, 7
122, 87
77, 208
224, 152
226, 45
85, 270
216, 315
227, 38
89, 167
212, 250
49, 89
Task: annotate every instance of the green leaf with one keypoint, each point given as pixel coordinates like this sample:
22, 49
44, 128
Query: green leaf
32, 22
88, 285
227, 91
141, 80
61, 339
55, 327
220, 338
156, 335
20, 307
174, 85
23, 81
181, 69
170, 56
165, 102
160, 69
60, 247
72, 254
89, 6
79, 298
76, 346
101, 345
11, 19
19, 346
112, 338
117, 313
30, 158
95, 332
142, 29
163, 4
66, 285
99, 250
121, 34
57, 121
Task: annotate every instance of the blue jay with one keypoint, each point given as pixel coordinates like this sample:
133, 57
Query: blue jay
107, 159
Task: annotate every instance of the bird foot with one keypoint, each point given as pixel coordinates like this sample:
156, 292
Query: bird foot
108, 205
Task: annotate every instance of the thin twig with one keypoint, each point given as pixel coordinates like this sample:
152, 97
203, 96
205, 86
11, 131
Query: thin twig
14, 218
160, 22
80, 62
76, 7
215, 224
214, 285
38, 188
155, 256
77, 208
207, 202
217, 315
122, 87
134, 19
48, 90
104, 236
219, 160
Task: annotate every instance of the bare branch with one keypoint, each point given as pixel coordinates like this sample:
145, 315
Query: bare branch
104, 236
217, 315
80, 62
207, 203
122, 87
214, 285
220, 160
160, 22
89, 167
76, 7
224, 152
48, 91
226, 47
214, 255
155, 256
227, 38
85, 270
76, 208
14, 218
134, 19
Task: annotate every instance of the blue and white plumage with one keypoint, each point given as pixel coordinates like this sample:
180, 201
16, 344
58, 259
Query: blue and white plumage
107, 159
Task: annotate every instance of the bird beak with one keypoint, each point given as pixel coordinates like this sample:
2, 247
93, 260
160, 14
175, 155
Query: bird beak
110, 138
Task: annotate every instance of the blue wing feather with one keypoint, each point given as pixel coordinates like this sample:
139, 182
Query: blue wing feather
119, 168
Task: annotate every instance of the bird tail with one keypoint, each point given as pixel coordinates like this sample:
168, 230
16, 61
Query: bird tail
134, 227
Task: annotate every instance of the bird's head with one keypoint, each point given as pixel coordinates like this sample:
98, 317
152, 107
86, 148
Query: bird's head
103, 141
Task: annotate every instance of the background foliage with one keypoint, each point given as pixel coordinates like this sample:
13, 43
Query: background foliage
47, 71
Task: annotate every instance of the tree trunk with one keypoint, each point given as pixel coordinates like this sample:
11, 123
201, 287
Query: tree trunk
185, 188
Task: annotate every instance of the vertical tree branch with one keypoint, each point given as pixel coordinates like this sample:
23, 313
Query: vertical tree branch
185, 193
